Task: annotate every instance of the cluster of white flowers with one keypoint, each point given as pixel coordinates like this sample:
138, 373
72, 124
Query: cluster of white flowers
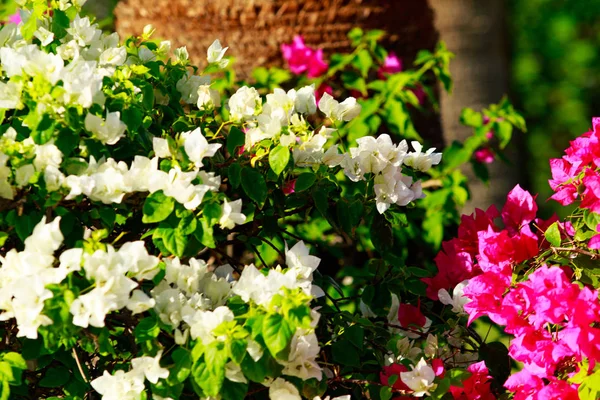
130, 385
112, 272
84, 57
259, 288
193, 294
382, 158
25, 274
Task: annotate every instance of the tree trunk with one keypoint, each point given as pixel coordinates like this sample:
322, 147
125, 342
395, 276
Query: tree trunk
474, 31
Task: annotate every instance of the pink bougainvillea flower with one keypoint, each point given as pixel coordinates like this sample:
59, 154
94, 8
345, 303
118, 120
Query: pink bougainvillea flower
564, 180
496, 251
317, 66
471, 225
324, 88
410, 316
519, 210
594, 242
524, 385
289, 187
475, 387
486, 292
391, 65
15, 18
437, 364
394, 370
304, 59
420, 94
484, 155
554, 295
590, 198
454, 266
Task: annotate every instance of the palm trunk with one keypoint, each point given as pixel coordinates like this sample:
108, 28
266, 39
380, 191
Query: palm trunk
474, 31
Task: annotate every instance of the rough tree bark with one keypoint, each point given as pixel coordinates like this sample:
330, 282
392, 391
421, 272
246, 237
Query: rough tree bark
255, 29
474, 31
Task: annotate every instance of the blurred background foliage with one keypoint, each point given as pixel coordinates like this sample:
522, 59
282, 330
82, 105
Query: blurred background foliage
555, 80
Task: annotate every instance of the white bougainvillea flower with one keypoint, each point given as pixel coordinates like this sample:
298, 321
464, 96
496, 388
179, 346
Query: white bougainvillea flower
109, 130
197, 147
344, 111
422, 161
120, 386
150, 368
298, 258
457, 300
161, 147
420, 379
302, 358
231, 214
215, 54
244, 103
280, 389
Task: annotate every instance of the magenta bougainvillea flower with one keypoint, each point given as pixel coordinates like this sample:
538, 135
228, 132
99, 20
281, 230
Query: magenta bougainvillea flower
15, 18
391, 65
304, 59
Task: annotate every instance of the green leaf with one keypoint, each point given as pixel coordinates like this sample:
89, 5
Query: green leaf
234, 172
15, 359
182, 368
187, 223
344, 353
257, 371
497, 360
591, 220
503, 132
204, 233
470, 117
233, 390
237, 349
349, 214
356, 335
157, 207
363, 62
442, 388
3, 238
235, 139
253, 183
147, 96
552, 234
174, 240
212, 212
381, 234
354, 81
279, 158
60, 23
277, 334
304, 181
55, 377
146, 329
215, 358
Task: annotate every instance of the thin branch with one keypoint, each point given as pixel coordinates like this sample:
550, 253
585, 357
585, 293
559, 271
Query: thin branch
85, 379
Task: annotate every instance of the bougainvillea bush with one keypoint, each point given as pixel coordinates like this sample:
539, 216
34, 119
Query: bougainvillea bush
167, 233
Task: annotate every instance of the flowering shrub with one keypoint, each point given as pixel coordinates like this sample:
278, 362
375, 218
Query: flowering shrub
159, 225
537, 279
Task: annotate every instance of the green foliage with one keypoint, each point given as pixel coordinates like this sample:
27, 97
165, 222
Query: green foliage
554, 69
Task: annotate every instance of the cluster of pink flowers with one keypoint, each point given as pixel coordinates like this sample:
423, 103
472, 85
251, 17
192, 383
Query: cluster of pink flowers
576, 175
303, 59
553, 321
